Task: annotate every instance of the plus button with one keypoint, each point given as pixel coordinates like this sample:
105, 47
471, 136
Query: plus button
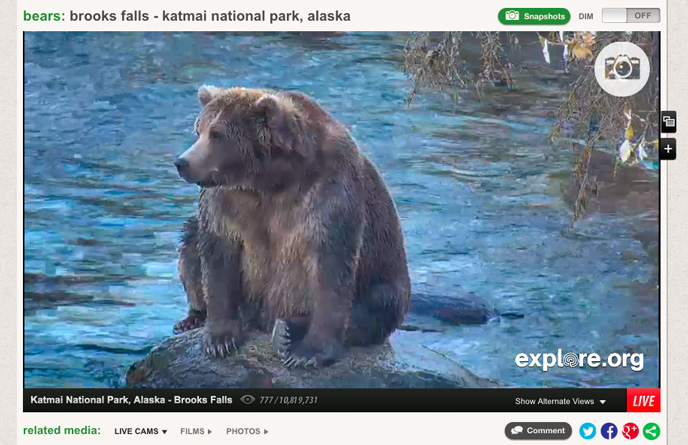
667, 150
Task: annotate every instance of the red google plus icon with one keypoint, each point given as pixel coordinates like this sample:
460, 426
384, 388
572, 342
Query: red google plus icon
630, 431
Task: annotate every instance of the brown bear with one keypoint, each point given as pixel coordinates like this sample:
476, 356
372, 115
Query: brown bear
296, 231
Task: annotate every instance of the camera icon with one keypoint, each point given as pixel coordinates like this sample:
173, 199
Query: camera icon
622, 67
511, 15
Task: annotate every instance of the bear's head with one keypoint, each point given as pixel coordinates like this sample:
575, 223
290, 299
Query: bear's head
247, 138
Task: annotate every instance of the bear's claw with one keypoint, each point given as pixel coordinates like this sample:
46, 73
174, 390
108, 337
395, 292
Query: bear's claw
294, 362
286, 334
221, 348
220, 345
188, 324
290, 343
302, 355
194, 320
281, 338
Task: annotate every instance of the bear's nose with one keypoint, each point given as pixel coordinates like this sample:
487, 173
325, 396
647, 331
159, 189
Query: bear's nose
181, 164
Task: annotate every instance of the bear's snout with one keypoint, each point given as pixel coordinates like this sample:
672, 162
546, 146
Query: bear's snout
182, 165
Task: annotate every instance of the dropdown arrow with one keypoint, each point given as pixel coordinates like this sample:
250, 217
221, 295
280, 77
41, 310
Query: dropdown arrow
210, 432
602, 401
164, 431
265, 431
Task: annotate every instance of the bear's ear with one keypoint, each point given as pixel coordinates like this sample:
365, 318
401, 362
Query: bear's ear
281, 122
206, 93
269, 108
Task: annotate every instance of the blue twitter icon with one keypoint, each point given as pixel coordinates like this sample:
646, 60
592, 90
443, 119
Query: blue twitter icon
587, 431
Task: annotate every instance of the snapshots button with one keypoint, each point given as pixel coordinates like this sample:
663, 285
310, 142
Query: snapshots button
538, 430
534, 16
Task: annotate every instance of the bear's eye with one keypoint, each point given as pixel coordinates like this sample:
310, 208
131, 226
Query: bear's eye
215, 135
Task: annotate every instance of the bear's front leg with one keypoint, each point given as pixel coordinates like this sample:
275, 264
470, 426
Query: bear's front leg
220, 264
191, 278
323, 344
332, 284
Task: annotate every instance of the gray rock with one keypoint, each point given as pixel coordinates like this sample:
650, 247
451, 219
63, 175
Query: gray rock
178, 362
459, 309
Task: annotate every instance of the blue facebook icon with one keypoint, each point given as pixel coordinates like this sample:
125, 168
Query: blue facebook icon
608, 431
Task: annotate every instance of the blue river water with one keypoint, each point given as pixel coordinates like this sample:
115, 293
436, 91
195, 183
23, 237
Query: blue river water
477, 184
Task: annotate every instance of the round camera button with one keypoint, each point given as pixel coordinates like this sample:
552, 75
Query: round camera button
622, 69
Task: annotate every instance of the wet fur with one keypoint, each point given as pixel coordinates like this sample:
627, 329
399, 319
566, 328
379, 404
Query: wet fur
297, 227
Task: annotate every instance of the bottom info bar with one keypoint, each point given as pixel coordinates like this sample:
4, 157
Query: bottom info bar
351, 400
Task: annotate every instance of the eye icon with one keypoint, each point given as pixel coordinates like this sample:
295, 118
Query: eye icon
247, 399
